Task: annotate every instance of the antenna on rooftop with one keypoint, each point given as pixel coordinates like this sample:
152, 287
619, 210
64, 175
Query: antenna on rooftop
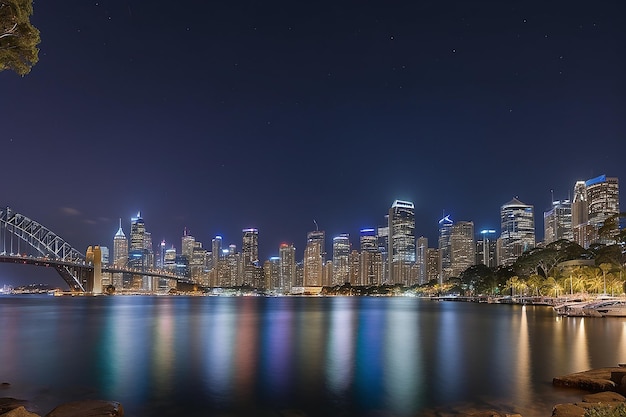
317, 229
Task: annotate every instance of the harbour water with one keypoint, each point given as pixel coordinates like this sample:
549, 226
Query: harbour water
319, 356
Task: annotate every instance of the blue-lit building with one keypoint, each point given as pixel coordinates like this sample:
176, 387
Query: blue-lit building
445, 249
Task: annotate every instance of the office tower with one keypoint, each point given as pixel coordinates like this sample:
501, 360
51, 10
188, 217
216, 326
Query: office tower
148, 250
401, 241
187, 244
462, 247
486, 248
287, 255
422, 260
580, 215
161, 259
318, 236
216, 246
603, 200
120, 249
368, 240
169, 260
557, 222
433, 265
250, 246
341, 261
313, 263
271, 271
517, 222
354, 268
445, 254
136, 252
371, 268
383, 248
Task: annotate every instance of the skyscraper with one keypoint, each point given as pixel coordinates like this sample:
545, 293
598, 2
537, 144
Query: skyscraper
445, 254
250, 247
313, 264
422, 260
341, 259
517, 222
603, 200
580, 215
137, 242
287, 263
557, 222
120, 256
187, 244
401, 241
462, 247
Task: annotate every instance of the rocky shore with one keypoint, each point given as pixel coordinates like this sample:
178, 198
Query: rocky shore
607, 387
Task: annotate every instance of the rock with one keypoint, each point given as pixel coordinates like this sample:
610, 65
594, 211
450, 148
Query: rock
567, 410
8, 404
88, 408
19, 412
595, 380
604, 397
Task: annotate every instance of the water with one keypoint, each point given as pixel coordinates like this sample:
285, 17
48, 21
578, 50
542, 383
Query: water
336, 356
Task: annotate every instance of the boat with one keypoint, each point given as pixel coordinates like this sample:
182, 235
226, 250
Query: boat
599, 307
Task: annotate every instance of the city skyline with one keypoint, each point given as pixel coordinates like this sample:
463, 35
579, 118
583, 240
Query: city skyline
282, 116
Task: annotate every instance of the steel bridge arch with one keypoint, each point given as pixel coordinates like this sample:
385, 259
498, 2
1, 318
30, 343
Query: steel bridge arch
44, 241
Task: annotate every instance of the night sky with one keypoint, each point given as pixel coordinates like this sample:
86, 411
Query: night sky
218, 116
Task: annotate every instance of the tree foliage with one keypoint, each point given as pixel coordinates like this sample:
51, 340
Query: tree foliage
18, 37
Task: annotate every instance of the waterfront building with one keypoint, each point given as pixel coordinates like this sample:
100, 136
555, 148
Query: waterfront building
320, 237
328, 273
271, 272
354, 261
313, 263
517, 221
445, 255
422, 260
371, 268
557, 222
136, 252
287, 255
401, 250
341, 261
462, 247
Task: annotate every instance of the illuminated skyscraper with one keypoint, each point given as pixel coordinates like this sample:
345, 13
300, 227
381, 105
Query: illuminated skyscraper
368, 240
580, 215
462, 247
313, 264
603, 199
557, 222
271, 271
486, 248
318, 236
422, 260
341, 259
445, 253
517, 222
120, 256
383, 247
137, 242
187, 244
287, 255
401, 241
250, 247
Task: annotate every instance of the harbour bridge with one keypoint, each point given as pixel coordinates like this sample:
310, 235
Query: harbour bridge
25, 241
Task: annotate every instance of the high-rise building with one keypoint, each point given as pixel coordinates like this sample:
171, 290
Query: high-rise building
580, 215
462, 247
401, 241
188, 242
318, 236
250, 247
445, 253
486, 248
368, 240
422, 260
433, 265
120, 257
341, 259
271, 271
287, 255
136, 251
371, 268
313, 264
517, 222
383, 248
603, 200
557, 222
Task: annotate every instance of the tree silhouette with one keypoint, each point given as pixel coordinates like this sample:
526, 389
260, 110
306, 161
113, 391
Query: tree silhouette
18, 37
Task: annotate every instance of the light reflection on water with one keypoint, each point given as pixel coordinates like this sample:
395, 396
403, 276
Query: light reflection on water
171, 356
